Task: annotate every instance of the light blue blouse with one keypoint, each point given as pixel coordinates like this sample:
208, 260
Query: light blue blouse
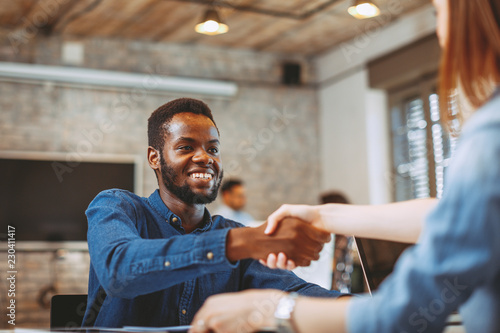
456, 264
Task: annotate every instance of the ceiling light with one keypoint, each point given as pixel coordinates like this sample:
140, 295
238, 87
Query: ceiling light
363, 9
211, 24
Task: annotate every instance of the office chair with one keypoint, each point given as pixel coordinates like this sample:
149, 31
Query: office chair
67, 311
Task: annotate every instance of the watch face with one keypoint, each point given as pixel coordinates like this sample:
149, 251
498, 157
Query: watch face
283, 313
285, 308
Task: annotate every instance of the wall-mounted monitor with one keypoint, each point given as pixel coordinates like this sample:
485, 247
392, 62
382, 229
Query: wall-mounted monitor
45, 195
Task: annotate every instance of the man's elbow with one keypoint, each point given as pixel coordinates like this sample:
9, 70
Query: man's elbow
118, 287
117, 283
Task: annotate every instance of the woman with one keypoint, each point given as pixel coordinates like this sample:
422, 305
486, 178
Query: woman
456, 264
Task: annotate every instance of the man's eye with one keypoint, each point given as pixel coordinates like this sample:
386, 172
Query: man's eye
184, 148
214, 150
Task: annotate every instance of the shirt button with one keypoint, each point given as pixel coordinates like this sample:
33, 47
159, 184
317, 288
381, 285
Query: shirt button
210, 255
184, 311
175, 219
167, 263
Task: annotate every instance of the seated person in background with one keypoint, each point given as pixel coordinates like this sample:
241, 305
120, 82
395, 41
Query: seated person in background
154, 261
234, 199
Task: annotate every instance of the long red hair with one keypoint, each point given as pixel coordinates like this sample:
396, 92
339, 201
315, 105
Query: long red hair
470, 60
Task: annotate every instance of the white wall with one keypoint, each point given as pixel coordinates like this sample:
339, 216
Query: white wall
354, 124
378, 146
343, 137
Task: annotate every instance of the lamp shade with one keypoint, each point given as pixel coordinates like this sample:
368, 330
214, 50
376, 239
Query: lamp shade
211, 24
362, 9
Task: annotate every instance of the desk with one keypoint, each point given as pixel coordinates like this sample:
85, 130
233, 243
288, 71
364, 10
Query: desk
449, 329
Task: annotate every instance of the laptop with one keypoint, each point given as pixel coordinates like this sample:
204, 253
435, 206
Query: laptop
378, 259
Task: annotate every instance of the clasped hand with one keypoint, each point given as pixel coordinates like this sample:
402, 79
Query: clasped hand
293, 243
284, 215
293, 237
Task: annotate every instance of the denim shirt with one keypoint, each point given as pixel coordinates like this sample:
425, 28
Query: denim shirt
145, 270
456, 264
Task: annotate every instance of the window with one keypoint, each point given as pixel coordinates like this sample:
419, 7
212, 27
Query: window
421, 148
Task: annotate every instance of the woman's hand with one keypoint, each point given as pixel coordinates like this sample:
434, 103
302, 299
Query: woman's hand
306, 213
246, 311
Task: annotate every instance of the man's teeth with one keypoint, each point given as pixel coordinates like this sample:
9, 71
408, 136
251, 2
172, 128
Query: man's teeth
201, 176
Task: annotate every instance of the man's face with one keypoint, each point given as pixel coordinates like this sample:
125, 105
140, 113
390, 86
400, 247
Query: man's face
236, 197
190, 162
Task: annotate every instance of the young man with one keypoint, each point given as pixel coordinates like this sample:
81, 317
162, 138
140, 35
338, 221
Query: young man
234, 200
155, 260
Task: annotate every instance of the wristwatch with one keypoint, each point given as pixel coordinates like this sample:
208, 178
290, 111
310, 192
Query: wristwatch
283, 313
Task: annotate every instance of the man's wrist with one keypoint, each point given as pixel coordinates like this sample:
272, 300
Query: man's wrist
237, 244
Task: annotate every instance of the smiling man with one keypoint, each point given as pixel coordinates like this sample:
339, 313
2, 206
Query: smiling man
155, 260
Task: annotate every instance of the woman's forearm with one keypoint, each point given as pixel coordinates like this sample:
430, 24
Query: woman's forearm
400, 221
320, 315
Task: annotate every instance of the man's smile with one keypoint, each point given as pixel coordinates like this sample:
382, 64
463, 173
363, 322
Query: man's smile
201, 176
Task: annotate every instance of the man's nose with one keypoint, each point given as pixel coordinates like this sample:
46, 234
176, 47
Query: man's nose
202, 156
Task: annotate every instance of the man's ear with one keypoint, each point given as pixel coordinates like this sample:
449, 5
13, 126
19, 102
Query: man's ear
153, 158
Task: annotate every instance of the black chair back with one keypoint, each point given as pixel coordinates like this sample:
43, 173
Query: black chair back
67, 311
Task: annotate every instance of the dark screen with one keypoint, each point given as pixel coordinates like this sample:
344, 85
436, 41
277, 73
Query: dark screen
46, 200
378, 258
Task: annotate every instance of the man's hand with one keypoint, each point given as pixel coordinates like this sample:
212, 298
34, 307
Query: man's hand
299, 241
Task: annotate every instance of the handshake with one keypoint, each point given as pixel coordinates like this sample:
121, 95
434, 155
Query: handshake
284, 241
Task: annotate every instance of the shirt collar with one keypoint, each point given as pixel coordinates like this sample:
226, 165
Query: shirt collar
157, 203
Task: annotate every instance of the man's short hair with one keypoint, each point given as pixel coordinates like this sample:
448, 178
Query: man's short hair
161, 117
229, 184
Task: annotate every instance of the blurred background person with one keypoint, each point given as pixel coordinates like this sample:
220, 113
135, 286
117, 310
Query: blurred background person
347, 274
234, 199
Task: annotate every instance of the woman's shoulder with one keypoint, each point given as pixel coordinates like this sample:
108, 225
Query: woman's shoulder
485, 118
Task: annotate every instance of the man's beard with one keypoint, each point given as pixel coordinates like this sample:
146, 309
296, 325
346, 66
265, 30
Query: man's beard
184, 192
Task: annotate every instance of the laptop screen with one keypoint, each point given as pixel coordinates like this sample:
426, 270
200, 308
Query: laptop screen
378, 259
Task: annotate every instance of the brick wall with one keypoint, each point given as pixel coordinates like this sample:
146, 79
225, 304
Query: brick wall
268, 130
40, 275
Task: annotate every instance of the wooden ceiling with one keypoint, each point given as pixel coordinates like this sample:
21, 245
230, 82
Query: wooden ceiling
303, 27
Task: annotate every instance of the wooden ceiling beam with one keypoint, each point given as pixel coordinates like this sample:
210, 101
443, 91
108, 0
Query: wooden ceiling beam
291, 34
263, 11
151, 17
78, 9
13, 12
129, 13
